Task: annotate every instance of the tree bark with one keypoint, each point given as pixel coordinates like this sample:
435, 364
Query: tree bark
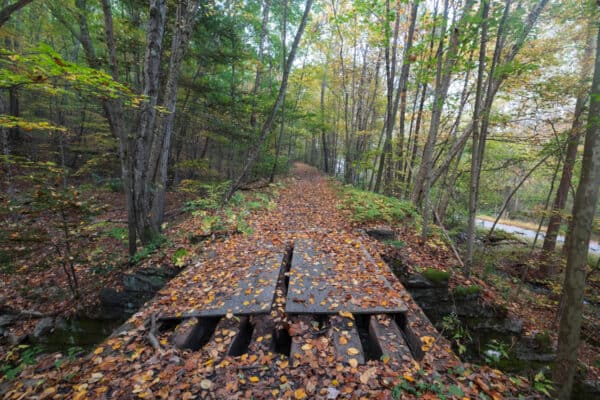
161, 143
323, 127
283, 66
390, 114
570, 157
513, 192
147, 120
584, 208
475, 161
259, 68
9, 10
403, 85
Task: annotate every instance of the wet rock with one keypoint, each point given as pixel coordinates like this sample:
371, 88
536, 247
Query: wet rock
14, 339
116, 304
382, 233
418, 281
7, 320
43, 327
501, 325
61, 323
142, 282
138, 288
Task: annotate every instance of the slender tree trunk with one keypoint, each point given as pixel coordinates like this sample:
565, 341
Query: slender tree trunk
513, 192
283, 66
475, 161
323, 127
570, 157
403, 85
584, 208
415, 147
259, 68
9, 10
390, 115
253, 154
161, 143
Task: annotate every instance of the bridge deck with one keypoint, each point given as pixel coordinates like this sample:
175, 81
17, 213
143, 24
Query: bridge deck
322, 282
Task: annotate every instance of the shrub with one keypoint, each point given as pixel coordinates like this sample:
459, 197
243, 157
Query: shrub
372, 207
464, 291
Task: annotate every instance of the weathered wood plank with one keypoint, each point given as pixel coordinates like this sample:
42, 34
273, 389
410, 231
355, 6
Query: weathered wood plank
346, 340
193, 333
321, 283
252, 294
387, 340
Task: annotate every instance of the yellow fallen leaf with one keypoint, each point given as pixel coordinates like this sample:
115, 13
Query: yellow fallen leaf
254, 379
300, 394
99, 350
346, 314
353, 351
408, 377
343, 340
353, 362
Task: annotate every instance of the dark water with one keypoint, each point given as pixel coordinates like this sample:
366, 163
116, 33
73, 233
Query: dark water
82, 333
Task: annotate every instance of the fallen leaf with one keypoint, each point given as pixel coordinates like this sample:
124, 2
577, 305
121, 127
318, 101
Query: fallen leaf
353, 351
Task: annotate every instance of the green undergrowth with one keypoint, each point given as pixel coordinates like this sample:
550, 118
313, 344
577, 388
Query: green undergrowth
464, 291
217, 217
368, 207
436, 275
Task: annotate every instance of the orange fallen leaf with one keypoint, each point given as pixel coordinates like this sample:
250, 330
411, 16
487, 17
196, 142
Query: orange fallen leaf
300, 394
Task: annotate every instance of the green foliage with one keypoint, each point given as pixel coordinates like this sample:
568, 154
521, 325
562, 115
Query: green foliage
17, 358
436, 275
114, 185
422, 385
544, 340
455, 330
44, 67
211, 195
395, 243
465, 291
543, 384
72, 354
149, 249
372, 207
118, 233
495, 351
179, 257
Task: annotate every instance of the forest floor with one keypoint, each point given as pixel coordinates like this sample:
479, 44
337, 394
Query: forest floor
129, 365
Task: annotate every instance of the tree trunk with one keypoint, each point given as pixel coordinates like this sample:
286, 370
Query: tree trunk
584, 208
259, 68
161, 143
390, 115
570, 157
323, 127
283, 66
403, 85
147, 121
475, 161
7, 11
513, 192
253, 154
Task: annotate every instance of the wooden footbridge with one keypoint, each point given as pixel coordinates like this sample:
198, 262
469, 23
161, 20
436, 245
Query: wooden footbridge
314, 288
